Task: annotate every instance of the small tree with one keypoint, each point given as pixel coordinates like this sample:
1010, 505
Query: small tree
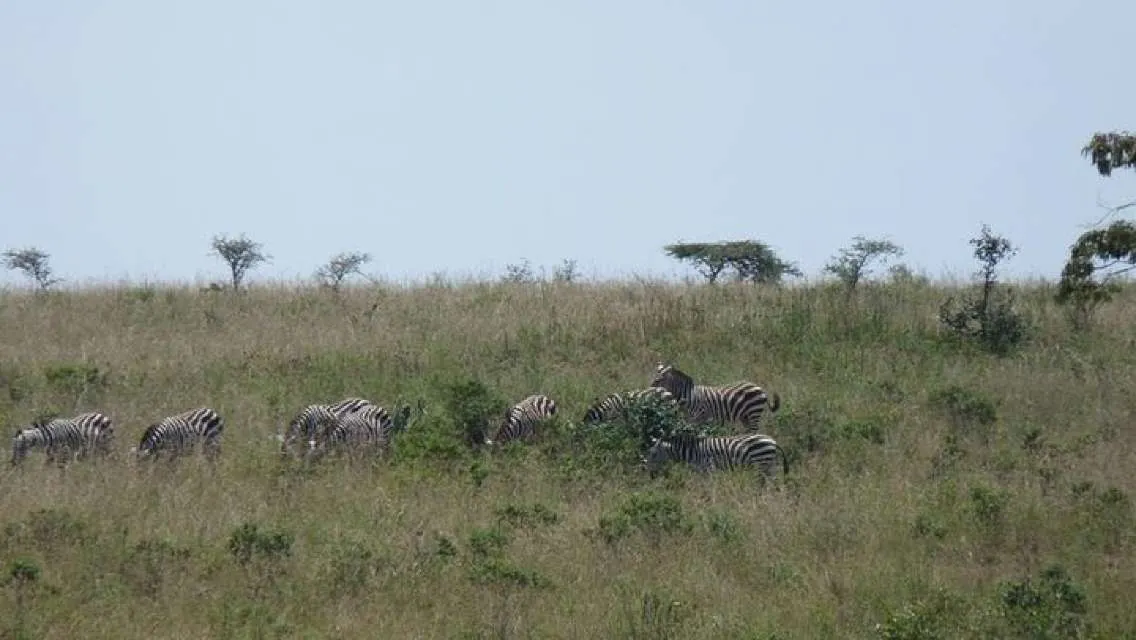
33, 263
1109, 252
519, 273
851, 264
994, 323
241, 254
339, 267
566, 272
748, 259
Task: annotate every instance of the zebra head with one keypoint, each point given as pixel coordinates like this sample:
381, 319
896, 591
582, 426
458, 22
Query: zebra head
22, 440
149, 441
670, 379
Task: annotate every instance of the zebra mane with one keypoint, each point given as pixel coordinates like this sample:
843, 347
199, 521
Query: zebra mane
664, 370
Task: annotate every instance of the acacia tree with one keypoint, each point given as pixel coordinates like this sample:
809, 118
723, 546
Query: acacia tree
34, 263
1100, 256
240, 254
851, 264
747, 259
339, 267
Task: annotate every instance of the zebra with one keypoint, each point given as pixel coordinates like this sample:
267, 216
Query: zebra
368, 430
180, 433
521, 419
717, 452
65, 438
741, 402
309, 420
615, 405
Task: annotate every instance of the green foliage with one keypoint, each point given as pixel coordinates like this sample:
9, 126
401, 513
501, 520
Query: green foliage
248, 542
940, 616
1109, 151
650, 514
1051, 607
748, 259
969, 411
469, 410
22, 577
852, 264
989, 507
991, 319
33, 263
75, 380
524, 516
1108, 253
620, 443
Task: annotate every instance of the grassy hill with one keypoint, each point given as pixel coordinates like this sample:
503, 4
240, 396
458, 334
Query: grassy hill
933, 486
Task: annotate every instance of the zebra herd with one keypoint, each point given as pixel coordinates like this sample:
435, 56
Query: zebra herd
359, 427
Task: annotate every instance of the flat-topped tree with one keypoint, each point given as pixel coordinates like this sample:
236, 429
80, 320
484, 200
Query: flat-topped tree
33, 263
747, 259
1100, 256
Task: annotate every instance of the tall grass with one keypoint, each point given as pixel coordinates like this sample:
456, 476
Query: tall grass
932, 484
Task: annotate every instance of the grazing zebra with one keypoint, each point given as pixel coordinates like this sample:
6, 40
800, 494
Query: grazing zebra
718, 452
366, 431
615, 405
741, 402
310, 419
521, 419
65, 438
180, 433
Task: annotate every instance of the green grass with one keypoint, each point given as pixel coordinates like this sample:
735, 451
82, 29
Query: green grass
932, 484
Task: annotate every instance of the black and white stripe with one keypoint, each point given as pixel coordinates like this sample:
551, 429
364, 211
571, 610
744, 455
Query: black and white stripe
179, 434
65, 438
522, 419
742, 402
312, 418
615, 405
718, 452
365, 431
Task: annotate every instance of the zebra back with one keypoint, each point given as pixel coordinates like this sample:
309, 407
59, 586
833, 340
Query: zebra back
521, 419
63, 438
718, 452
615, 405
368, 429
742, 402
305, 425
180, 432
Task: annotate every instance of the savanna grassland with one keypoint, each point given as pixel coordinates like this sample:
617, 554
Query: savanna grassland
935, 490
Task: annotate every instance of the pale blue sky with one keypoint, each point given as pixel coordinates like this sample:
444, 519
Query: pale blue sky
462, 136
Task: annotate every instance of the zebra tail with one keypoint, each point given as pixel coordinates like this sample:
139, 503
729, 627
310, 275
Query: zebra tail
774, 402
784, 459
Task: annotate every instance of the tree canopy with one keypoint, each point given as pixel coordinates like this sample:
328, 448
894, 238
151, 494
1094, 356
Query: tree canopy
1099, 256
1113, 150
747, 259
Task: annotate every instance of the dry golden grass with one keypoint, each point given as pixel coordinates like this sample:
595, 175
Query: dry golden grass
892, 501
